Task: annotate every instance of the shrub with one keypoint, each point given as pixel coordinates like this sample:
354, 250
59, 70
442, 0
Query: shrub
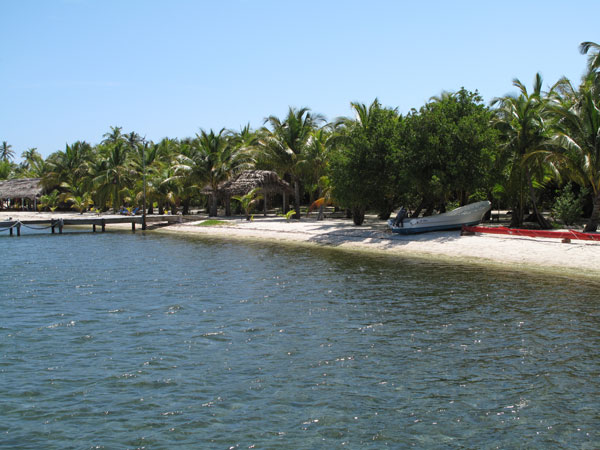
568, 207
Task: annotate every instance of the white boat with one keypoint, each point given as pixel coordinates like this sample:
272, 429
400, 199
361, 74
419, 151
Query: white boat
465, 215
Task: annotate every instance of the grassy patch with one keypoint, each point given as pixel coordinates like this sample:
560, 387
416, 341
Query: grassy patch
213, 223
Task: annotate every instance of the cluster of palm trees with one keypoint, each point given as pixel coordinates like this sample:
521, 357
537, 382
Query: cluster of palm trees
539, 140
178, 173
552, 134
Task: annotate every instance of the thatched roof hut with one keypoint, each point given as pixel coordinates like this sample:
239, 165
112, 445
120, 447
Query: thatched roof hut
268, 181
29, 188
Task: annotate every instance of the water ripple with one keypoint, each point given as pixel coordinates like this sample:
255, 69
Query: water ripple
202, 343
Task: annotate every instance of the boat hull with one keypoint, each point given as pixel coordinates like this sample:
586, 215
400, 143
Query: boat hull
454, 220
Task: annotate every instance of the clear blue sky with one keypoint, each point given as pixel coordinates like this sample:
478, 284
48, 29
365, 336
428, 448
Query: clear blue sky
70, 69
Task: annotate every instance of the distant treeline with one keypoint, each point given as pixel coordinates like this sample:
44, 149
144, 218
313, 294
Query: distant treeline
517, 152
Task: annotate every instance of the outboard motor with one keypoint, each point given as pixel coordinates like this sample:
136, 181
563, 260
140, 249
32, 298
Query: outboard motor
399, 220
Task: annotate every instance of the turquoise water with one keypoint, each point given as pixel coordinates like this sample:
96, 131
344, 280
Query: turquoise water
121, 340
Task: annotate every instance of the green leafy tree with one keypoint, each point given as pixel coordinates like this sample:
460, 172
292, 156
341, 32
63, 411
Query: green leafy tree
449, 149
365, 167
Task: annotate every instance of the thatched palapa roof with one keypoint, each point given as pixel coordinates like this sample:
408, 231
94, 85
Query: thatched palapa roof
21, 188
266, 180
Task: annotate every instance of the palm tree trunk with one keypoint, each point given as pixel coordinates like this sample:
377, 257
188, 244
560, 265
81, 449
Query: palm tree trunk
592, 225
516, 220
213, 205
538, 216
266, 203
116, 200
228, 206
358, 215
418, 209
297, 199
321, 214
285, 203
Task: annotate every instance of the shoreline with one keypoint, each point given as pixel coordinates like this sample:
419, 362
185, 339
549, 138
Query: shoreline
580, 259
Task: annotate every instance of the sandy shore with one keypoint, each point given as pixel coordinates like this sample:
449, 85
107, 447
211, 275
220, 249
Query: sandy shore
577, 258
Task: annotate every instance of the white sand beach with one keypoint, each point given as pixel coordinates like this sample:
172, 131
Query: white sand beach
577, 258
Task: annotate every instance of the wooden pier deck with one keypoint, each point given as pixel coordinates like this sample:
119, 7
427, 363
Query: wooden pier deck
100, 221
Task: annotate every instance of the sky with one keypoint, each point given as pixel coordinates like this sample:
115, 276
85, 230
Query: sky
71, 69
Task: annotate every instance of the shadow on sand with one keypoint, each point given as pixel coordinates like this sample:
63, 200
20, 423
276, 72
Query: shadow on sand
339, 234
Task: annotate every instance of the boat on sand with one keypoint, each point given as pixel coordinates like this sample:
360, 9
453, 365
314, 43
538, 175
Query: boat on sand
453, 220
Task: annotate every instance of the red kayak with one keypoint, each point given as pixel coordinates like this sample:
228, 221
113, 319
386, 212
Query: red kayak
570, 234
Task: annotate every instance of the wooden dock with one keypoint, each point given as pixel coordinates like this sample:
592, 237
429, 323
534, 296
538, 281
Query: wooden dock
60, 223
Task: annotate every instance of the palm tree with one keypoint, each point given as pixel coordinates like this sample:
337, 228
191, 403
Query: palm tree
80, 203
316, 163
133, 140
525, 131
49, 201
33, 163
6, 169
116, 172
577, 136
65, 166
594, 57
6, 152
114, 136
249, 201
165, 188
213, 158
285, 145
76, 192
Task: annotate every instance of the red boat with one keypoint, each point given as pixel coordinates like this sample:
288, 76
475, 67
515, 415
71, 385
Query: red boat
569, 234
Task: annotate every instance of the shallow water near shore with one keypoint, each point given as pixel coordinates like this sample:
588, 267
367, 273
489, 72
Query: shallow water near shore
121, 340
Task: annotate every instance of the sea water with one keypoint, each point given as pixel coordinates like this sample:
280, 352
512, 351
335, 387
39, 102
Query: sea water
121, 340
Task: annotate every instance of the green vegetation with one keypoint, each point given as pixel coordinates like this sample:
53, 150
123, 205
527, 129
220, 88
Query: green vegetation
450, 151
248, 201
568, 207
213, 223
